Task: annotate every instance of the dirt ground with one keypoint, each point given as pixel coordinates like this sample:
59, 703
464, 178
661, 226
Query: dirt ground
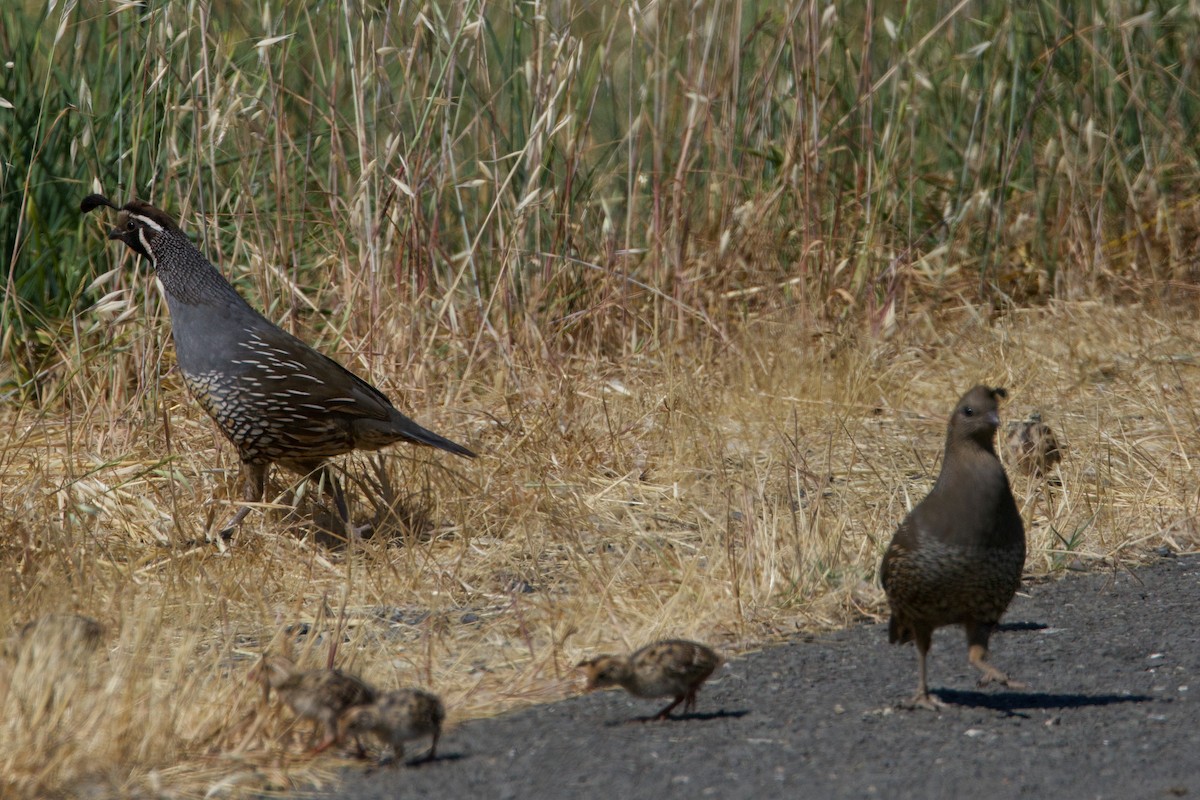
1113, 711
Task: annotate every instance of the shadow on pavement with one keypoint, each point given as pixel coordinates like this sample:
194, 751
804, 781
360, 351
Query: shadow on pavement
414, 763
1010, 627
694, 716
1013, 702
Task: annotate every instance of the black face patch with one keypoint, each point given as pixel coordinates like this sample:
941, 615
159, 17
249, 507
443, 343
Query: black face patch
137, 231
137, 210
139, 224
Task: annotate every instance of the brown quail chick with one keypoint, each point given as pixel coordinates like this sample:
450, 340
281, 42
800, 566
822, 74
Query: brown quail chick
670, 668
957, 558
53, 656
321, 695
63, 635
397, 717
1032, 445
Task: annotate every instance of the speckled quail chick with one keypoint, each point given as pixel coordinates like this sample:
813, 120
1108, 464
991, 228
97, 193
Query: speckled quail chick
321, 695
56, 636
397, 717
957, 558
1032, 445
670, 668
52, 660
274, 397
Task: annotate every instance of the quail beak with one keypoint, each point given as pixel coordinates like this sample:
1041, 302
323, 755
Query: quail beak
993, 417
114, 234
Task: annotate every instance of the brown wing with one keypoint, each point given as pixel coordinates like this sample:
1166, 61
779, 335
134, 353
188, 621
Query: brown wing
688, 662
904, 541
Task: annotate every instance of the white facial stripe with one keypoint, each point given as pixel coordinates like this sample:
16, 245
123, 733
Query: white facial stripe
147, 221
146, 244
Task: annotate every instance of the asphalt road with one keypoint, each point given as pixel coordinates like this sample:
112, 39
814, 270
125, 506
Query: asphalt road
1113, 711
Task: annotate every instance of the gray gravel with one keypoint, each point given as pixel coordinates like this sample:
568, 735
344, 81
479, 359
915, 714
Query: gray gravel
1113, 711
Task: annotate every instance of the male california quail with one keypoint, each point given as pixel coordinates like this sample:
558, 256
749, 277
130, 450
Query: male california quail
956, 559
396, 717
1032, 445
321, 695
273, 396
670, 668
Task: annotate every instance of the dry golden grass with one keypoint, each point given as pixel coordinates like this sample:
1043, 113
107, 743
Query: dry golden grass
694, 279
733, 495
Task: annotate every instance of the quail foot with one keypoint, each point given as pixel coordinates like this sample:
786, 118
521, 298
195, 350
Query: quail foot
397, 717
671, 668
320, 695
957, 558
278, 400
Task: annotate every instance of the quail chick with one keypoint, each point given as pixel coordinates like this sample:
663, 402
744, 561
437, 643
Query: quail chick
321, 695
670, 668
53, 656
67, 636
957, 558
1032, 445
397, 717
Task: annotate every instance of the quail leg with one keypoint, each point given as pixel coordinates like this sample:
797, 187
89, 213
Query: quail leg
666, 712
922, 698
319, 471
332, 485
977, 652
323, 745
433, 747
331, 736
395, 755
354, 533
254, 486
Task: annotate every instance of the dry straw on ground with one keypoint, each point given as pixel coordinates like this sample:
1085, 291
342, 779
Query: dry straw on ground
731, 498
699, 282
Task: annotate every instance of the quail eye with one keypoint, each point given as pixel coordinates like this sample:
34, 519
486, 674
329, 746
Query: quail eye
129, 225
968, 411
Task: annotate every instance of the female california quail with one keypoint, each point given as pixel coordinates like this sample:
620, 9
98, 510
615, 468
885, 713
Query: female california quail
321, 695
397, 717
957, 558
670, 668
274, 397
